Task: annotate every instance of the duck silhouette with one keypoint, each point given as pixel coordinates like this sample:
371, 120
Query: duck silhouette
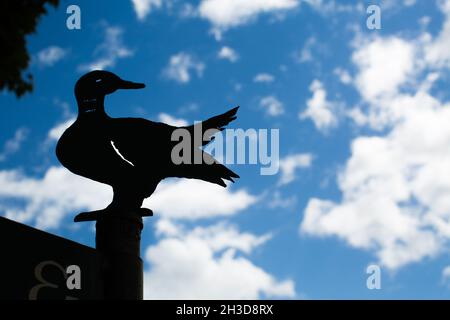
131, 154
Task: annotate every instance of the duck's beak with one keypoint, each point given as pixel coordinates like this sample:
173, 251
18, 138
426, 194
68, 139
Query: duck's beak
130, 85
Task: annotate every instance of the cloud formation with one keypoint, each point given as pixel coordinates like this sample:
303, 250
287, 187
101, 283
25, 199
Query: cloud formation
194, 199
272, 106
145, 7
170, 120
13, 145
263, 78
289, 164
208, 263
228, 53
321, 111
109, 51
49, 56
226, 14
180, 67
395, 184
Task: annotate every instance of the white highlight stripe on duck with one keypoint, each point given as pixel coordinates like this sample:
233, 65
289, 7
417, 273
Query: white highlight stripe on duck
120, 155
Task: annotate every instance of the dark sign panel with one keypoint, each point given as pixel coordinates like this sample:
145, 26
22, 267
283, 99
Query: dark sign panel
36, 265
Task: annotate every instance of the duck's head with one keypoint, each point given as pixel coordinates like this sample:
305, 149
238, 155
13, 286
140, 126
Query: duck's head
92, 87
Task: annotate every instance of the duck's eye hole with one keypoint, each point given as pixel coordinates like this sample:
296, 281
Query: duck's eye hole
98, 80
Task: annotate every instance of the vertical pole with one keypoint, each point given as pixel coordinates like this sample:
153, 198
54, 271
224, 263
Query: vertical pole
118, 240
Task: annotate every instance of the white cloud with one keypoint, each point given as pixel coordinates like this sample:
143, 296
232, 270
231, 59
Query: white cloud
264, 77
64, 106
188, 11
170, 120
45, 201
306, 54
109, 51
218, 236
359, 117
409, 3
394, 186
290, 164
397, 5
436, 51
184, 265
145, 7
180, 67
272, 105
343, 75
328, 7
13, 145
321, 111
385, 64
49, 56
225, 14
228, 54
56, 132
195, 199
279, 201
424, 21
395, 189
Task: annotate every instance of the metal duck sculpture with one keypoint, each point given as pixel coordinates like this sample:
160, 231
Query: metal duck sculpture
131, 154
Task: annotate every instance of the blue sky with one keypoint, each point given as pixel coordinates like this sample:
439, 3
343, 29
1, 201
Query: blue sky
363, 120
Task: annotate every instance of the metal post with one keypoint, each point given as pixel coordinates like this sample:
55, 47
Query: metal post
118, 240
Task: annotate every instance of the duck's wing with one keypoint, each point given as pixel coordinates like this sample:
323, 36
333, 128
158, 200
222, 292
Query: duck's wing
210, 127
148, 146
140, 141
143, 143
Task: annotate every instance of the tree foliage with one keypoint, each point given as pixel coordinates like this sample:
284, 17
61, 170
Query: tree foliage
18, 18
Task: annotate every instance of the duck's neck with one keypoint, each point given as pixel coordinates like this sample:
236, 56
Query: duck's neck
91, 107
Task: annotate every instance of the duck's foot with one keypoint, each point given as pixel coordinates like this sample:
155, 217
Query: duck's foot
95, 215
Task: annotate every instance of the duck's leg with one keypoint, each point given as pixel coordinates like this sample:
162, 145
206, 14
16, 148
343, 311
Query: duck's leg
121, 204
95, 215
90, 216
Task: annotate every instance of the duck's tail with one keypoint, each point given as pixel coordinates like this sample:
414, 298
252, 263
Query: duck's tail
208, 170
